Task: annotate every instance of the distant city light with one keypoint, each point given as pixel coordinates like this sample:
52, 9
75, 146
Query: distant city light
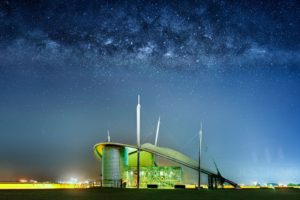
73, 181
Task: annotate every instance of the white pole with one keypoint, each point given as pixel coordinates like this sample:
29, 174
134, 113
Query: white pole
138, 121
108, 136
200, 141
138, 140
157, 131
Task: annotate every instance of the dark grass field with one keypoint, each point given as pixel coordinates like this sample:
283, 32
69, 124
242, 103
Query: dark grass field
121, 194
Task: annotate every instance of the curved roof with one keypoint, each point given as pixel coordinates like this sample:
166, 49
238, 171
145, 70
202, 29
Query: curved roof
160, 151
98, 147
175, 155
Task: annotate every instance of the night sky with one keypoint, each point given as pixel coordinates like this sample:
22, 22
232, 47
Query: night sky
71, 70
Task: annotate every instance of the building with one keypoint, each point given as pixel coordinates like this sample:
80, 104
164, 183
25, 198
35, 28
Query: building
136, 166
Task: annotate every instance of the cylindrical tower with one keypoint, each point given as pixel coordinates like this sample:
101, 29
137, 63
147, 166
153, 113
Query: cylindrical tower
114, 165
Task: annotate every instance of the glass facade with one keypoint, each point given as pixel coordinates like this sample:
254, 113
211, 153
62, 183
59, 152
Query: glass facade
164, 177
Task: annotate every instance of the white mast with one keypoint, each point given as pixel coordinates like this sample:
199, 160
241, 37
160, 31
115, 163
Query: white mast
138, 141
200, 141
108, 136
157, 131
138, 107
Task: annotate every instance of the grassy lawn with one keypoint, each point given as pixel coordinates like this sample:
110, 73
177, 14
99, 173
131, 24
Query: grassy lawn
120, 194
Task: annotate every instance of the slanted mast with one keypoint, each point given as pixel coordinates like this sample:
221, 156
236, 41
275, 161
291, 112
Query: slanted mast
157, 131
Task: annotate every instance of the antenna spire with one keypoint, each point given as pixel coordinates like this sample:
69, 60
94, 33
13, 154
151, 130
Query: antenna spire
108, 136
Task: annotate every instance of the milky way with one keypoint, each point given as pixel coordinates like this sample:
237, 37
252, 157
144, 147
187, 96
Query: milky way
176, 36
71, 70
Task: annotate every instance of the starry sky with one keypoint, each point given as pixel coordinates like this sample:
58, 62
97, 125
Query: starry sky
71, 70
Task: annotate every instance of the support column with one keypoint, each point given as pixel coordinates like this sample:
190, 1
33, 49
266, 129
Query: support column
216, 184
208, 181
138, 170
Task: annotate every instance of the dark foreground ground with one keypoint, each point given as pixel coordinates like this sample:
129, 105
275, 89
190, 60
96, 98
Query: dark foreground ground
121, 194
